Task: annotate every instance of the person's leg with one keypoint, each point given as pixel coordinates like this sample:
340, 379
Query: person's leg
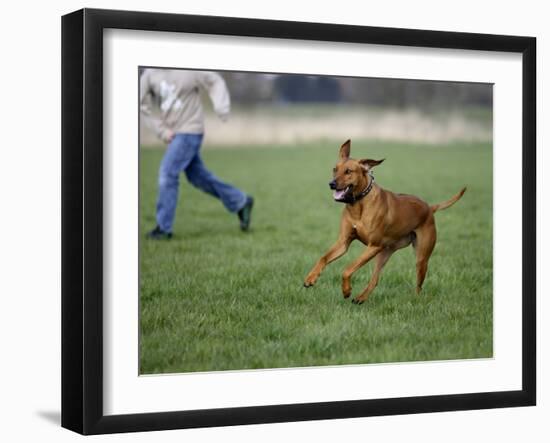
179, 154
199, 176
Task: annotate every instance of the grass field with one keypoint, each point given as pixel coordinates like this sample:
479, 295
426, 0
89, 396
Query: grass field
214, 298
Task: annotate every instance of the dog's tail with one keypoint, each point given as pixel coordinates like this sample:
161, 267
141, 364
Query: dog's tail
450, 202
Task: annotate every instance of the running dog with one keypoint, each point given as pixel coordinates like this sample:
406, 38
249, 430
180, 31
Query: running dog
382, 220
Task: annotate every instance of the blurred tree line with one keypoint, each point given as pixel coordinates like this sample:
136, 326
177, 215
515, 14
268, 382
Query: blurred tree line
249, 89
253, 88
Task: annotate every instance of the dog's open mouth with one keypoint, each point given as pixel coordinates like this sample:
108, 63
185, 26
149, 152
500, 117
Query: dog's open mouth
341, 194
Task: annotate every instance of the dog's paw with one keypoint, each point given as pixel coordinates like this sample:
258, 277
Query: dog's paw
357, 301
310, 281
346, 289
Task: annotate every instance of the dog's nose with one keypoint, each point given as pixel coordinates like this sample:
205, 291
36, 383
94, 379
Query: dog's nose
332, 184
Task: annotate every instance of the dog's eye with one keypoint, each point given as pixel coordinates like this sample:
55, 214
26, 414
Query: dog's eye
348, 171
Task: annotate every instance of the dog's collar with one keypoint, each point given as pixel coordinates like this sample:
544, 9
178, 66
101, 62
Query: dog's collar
364, 192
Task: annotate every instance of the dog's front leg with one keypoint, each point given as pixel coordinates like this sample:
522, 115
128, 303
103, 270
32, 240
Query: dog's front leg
370, 253
336, 251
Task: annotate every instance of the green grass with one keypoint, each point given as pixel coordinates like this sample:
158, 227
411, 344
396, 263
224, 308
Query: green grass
214, 298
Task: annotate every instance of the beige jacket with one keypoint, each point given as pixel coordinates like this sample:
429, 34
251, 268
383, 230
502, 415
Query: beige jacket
177, 93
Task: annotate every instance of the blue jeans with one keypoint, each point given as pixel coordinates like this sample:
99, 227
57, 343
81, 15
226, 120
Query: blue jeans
182, 155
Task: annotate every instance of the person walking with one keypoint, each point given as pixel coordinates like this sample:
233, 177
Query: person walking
181, 127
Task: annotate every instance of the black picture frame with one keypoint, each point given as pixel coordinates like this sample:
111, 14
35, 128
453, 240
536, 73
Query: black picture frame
82, 220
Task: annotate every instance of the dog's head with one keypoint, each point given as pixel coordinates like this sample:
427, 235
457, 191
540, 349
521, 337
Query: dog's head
350, 176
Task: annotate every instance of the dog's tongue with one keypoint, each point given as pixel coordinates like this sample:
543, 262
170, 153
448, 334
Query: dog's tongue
338, 194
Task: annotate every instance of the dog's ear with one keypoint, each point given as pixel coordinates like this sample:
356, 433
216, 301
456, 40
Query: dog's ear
345, 150
368, 163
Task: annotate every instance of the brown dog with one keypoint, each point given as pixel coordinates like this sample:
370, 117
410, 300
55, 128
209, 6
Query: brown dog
380, 219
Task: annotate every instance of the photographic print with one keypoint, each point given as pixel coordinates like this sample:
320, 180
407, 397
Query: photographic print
243, 242
291, 220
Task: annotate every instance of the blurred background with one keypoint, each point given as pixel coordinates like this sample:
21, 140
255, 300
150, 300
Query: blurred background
290, 108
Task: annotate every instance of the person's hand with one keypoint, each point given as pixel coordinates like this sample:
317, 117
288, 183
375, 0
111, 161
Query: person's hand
167, 136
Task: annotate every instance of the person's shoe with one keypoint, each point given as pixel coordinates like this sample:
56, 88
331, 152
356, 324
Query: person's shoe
159, 234
245, 212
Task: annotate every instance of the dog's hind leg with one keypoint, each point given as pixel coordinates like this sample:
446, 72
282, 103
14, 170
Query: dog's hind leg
381, 259
425, 242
